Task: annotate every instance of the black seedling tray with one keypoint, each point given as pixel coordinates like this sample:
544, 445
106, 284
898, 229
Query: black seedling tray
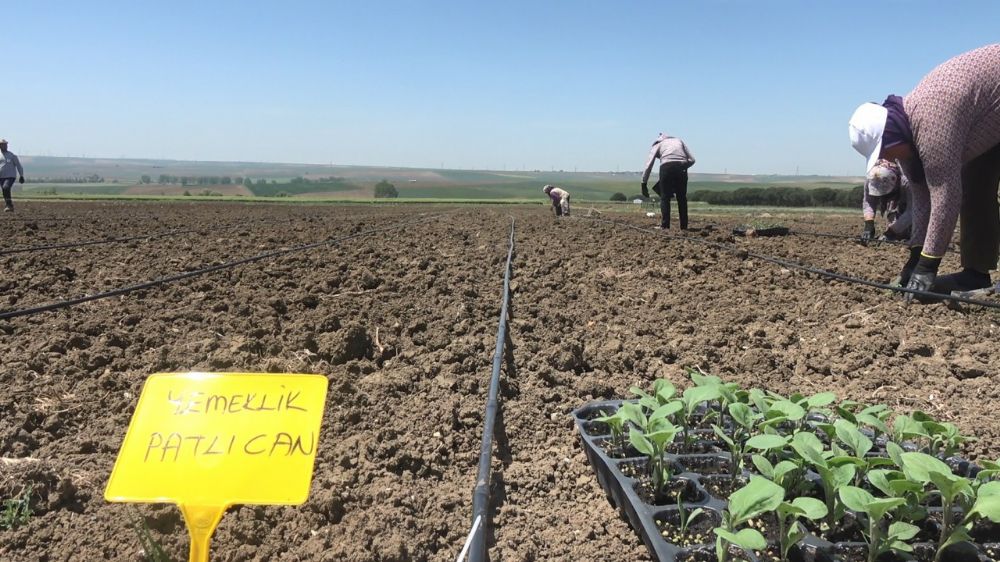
701, 469
769, 231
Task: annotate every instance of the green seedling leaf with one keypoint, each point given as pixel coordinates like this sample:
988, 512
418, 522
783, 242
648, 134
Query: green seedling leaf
950, 485
826, 428
989, 489
843, 474
812, 508
633, 413
847, 432
860, 500
987, 507
785, 509
873, 422
809, 447
856, 498
960, 534
700, 379
758, 496
895, 453
918, 466
787, 409
764, 466
987, 503
766, 442
742, 415
662, 437
758, 399
640, 442
880, 479
666, 410
664, 390
783, 468
905, 427
820, 400
749, 539
902, 531
698, 395
721, 434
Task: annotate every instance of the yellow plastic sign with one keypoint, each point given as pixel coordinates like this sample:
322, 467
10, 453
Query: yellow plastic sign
206, 441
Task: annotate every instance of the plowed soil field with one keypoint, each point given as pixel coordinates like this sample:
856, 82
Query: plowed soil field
403, 323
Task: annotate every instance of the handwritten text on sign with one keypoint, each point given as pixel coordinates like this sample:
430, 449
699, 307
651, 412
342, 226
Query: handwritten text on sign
221, 439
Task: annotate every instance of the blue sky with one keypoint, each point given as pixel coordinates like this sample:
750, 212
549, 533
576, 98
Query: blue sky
762, 86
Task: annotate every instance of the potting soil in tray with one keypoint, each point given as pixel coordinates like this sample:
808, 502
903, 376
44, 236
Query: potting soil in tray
706, 483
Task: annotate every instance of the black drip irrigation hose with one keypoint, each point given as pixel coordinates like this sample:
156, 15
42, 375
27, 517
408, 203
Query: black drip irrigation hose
794, 265
481, 493
66, 245
188, 274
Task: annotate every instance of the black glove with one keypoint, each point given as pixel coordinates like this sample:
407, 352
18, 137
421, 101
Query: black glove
904, 276
645, 191
869, 231
923, 275
21, 180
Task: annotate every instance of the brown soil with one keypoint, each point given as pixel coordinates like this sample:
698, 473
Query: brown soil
404, 325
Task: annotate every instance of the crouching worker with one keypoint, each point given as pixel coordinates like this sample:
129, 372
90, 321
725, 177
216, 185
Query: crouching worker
887, 193
560, 200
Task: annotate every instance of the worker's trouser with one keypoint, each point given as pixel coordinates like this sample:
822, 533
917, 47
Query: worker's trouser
6, 184
673, 182
980, 216
562, 207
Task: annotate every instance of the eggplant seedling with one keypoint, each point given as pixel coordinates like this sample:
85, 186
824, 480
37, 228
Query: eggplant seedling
692, 398
987, 506
955, 491
686, 517
759, 496
663, 392
789, 530
880, 540
833, 472
616, 423
653, 444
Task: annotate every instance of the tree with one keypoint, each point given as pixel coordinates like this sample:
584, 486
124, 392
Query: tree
247, 182
619, 197
384, 189
146, 179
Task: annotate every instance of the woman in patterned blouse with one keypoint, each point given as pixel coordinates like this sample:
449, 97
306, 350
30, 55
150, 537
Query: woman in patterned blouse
946, 136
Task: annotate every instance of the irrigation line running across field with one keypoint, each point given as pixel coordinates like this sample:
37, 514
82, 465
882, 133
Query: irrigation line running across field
481, 493
809, 269
66, 245
188, 274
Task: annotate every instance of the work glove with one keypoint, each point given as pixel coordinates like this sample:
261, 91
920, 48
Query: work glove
645, 191
923, 275
869, 232
21, 180
911, 264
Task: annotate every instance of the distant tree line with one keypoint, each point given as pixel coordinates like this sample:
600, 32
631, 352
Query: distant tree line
81, 179
385, 190
783, 197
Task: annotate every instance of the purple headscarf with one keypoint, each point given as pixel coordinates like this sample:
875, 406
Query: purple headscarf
898, 131
897, 124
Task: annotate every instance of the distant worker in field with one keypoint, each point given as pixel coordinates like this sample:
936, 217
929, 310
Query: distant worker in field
10, 169
560, 200
675, 159
946, 136
887, 193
